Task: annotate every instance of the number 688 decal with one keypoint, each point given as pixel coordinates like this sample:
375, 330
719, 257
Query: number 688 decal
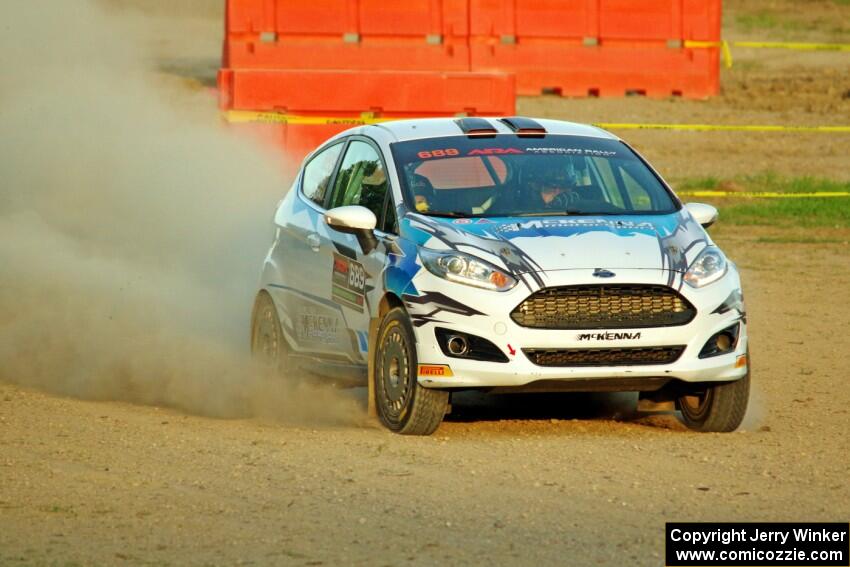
448, 152
356, 276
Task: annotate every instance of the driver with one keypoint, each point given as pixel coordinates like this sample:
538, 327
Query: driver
423, 192
554, 187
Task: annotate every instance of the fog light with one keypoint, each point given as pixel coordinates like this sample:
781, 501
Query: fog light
463, 345
723, 342
457, 345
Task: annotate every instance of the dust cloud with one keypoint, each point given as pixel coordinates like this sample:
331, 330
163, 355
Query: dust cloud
132, 225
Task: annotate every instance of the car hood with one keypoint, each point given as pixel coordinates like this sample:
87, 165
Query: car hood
534, 244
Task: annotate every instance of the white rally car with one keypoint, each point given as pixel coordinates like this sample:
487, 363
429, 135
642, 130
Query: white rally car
506, 254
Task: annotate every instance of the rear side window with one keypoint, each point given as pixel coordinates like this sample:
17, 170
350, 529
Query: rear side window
361, 179
317, 174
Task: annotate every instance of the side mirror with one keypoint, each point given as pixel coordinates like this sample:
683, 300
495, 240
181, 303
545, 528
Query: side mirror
356, 220
704, 214
351, 218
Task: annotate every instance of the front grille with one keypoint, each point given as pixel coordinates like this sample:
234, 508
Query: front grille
604, 307
604, 356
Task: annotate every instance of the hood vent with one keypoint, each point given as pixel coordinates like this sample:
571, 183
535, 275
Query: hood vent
476, 127
525, 127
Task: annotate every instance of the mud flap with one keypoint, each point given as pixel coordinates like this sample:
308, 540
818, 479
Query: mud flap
374, 327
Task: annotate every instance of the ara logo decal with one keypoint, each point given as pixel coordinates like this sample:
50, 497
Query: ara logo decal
494, 151
607, 336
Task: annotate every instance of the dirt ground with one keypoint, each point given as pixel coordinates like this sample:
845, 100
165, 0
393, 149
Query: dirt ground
565, 480
516, 480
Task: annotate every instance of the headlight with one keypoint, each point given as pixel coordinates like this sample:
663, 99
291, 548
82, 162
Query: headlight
463, 268
710, 266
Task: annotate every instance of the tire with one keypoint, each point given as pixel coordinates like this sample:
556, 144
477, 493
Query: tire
716, 408
268, 344
403, 405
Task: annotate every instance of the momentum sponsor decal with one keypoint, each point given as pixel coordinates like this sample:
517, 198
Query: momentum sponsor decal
348, 282
573, 223
317, 327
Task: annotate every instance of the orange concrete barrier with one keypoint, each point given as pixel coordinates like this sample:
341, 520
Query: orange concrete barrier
458, 57
600, 47
386, 93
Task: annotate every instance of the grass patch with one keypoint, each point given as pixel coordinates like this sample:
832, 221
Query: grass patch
768, 181
804, 212
762, 19
799, 240
790, 21
815, 212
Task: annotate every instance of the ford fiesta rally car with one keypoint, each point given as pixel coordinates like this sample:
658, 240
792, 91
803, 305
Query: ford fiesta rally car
436, 255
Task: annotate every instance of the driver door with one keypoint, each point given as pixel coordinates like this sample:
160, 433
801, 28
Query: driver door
357, 276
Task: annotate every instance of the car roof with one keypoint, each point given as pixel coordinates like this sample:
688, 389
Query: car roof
404, 130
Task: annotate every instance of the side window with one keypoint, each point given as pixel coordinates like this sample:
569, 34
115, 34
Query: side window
317, 174
361, 179
609, 182
638, 195
390, 225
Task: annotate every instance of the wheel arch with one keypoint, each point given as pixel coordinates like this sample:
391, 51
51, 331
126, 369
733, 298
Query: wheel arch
254, 307
388, 302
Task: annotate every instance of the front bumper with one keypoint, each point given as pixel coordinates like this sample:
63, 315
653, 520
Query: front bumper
488, 317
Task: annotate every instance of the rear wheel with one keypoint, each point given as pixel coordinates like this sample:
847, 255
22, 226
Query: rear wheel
403, 405
716, 408
268, 344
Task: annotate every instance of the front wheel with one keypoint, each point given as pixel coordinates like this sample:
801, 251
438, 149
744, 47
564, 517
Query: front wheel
716, 408
403, 405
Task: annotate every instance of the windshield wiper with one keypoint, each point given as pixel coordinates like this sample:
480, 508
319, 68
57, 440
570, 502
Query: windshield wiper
449, 214
566, 213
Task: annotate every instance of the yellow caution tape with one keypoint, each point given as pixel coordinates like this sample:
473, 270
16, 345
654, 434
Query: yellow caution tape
723, 45
247, 116
764, 194
793, 45
724, 127
727, 53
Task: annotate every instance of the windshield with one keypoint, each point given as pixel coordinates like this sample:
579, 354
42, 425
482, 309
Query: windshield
505, 176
